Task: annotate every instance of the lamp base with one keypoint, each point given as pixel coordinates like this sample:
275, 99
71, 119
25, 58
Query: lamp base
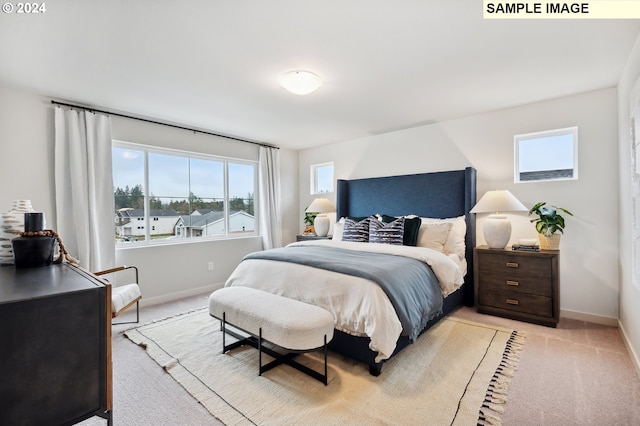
497, 231
321, 225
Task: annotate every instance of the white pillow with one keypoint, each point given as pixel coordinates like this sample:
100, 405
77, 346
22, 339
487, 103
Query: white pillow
455, 241
338, 227
434, 235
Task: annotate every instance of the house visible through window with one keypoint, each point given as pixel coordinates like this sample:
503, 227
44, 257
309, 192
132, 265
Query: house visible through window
549, 155
185, 195
321, 178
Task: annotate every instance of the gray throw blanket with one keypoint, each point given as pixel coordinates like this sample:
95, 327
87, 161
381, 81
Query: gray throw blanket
410, 284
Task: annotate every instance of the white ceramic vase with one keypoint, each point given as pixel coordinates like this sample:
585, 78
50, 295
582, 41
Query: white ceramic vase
11, 225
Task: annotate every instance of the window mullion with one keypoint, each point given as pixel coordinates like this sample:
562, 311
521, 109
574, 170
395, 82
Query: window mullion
189, 207
225, 204
147, 212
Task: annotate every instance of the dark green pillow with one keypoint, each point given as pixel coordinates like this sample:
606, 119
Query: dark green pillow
357, 218
411, 229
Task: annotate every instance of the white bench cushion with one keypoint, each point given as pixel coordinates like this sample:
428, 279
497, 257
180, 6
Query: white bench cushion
122, 295
288, 323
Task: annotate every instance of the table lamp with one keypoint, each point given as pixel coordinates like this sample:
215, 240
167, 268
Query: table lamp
497, 227
321, 223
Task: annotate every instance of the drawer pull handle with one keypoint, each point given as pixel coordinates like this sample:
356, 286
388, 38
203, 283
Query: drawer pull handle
512, 265
512, 301
513, 283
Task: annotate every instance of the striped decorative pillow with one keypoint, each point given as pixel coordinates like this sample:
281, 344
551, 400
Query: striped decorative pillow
387, 233
356, 231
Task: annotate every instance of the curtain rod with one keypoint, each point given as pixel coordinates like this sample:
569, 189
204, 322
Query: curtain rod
175, 126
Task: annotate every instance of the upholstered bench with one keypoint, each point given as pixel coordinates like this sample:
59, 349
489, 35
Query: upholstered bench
287, 323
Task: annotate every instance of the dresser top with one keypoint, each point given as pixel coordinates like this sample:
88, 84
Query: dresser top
17, 284
508, 250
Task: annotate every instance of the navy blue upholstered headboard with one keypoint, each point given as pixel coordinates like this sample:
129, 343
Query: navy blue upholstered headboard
439, 194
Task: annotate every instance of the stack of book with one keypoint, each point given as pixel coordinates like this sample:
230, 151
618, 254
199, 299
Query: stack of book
525, 247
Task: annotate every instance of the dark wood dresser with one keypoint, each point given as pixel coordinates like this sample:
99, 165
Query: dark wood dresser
522, 285
55, 346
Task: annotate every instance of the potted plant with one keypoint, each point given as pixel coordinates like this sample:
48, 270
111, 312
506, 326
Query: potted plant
549, 224
309, 217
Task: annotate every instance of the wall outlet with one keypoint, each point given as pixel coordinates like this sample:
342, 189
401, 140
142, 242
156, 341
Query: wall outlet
210, 266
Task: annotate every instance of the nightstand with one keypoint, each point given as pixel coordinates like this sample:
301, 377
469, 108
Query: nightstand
520, 285
311, 237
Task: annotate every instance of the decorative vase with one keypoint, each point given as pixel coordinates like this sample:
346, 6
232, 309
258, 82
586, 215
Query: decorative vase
32, 251
11, 225
550, 243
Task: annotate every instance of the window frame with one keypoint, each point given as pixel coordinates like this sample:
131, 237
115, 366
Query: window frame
573, 131
147, 220
313, 178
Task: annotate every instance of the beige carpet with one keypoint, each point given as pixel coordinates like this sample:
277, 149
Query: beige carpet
456, 374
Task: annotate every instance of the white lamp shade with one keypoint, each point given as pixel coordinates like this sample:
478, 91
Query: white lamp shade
300, 82
497, 227
498, 201
321, 205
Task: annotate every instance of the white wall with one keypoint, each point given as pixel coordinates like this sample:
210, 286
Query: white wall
589, 250
26, 172
26, 152
629, 291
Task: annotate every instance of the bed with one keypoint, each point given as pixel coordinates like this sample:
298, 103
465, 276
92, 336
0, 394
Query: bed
371, 334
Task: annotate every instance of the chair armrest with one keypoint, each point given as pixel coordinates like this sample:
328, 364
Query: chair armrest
117, 269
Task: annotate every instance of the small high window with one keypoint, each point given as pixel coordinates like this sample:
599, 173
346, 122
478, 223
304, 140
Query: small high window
549, 155
321, 178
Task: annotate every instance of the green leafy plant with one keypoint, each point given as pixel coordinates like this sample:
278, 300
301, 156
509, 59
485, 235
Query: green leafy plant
548, 221
309, 218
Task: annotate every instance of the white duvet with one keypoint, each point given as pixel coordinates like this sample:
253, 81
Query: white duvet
359, 306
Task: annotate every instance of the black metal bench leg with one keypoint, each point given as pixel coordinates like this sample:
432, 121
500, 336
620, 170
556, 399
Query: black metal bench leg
260, 352
325, 360
224, 331
287, 358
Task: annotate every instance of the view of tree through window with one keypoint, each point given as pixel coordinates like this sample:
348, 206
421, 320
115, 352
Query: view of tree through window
189, 195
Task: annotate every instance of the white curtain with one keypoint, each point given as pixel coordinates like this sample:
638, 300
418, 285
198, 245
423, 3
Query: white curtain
84, 187
269, 197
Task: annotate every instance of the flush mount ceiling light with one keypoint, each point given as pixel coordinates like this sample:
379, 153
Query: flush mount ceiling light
300, 82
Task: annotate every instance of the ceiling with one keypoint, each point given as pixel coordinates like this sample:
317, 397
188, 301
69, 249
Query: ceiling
385, 66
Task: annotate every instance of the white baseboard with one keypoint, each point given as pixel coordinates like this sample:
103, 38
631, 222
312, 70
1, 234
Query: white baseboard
634, 356
180, 294
596, 319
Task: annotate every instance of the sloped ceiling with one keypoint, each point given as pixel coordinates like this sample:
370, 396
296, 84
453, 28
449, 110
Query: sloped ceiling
385, 65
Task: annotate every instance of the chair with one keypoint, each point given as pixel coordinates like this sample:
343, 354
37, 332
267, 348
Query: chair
124, 296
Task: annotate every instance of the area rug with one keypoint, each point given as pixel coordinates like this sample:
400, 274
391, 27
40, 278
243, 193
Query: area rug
457, 373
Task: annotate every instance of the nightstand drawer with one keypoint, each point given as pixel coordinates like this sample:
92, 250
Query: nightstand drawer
514, 264
519, 302
515, 282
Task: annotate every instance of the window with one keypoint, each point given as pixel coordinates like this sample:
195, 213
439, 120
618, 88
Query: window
166, 195
321, 178
543, 156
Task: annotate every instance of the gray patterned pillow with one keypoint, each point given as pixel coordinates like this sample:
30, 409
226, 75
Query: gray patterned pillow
356, 231
387, 233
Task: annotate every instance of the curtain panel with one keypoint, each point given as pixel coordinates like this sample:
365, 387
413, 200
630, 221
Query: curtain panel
84, 187
269, 197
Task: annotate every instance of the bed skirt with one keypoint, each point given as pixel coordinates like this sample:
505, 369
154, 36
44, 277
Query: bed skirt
358, 347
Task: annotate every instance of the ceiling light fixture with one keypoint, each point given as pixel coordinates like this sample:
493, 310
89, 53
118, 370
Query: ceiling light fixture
300, 82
